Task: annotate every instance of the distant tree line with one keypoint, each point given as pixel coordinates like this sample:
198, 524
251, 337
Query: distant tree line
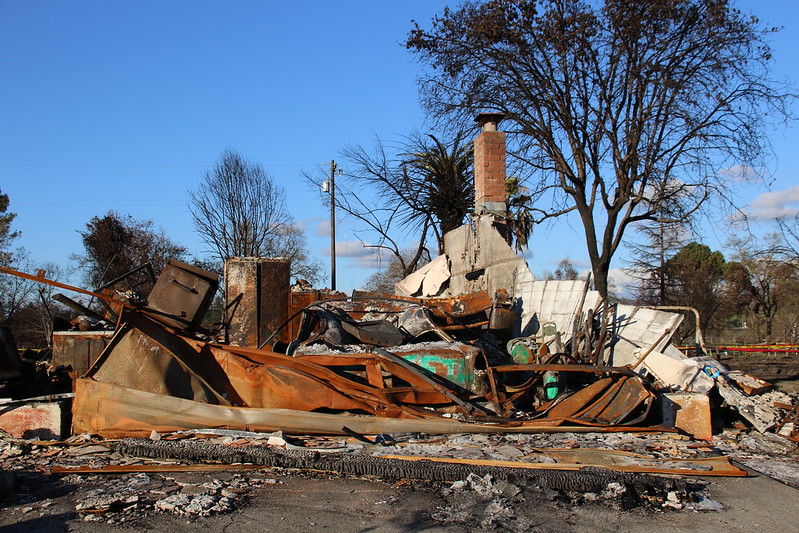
751, 296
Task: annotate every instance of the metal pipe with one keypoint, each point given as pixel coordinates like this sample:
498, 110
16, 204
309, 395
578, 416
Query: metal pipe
699, 337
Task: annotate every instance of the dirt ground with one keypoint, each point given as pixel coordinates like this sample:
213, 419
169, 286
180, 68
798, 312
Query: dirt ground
781, 369
280, 501
236, 499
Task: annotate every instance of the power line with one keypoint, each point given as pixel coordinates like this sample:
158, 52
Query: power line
84, 166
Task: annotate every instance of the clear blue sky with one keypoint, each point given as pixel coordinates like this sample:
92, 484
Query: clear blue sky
123, 105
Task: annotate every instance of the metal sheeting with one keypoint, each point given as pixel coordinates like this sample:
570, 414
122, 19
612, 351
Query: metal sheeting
553, 301
113, 411
257, 292
456, 362
79, 349
148, 357
610, 401
182, 294
637, 329
135, 358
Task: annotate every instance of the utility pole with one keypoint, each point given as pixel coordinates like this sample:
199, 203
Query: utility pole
332, 224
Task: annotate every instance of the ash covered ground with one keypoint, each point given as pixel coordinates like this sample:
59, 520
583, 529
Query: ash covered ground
220, 496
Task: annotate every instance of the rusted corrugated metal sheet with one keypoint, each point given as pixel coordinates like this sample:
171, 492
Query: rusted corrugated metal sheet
113, 411
383, 396
146, 356
443, 308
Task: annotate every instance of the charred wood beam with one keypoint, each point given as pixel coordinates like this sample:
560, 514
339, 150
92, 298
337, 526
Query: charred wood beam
587, 479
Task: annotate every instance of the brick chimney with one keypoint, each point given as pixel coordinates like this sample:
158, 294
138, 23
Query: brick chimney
489, 165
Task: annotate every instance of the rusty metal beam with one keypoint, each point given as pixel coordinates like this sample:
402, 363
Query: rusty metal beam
565, 368
39, 278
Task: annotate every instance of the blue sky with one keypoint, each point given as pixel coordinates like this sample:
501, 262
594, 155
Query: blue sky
123, 106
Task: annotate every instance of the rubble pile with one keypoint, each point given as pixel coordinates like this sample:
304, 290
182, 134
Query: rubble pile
542, 391
495, 504
117, 486
204, 472
27, 468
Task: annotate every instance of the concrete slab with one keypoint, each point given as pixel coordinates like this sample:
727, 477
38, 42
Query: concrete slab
36, 420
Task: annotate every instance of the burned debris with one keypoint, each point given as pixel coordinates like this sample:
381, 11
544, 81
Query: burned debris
376, 369
379, 358
450, 379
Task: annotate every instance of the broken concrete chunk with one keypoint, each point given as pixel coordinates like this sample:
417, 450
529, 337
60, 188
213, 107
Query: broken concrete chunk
750, 385
36, 419
705, 504
427, 281
757, 410
689, 412
678, 374
274, 440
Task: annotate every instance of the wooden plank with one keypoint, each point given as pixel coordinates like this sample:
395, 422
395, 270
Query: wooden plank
712, 466
148, 468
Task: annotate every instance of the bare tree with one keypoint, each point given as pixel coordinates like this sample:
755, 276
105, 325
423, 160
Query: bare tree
15, 292
33, 323
115, 244
773, 280
616, 107
295, 249
565, 271
239, 211
788, 249
26, 306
